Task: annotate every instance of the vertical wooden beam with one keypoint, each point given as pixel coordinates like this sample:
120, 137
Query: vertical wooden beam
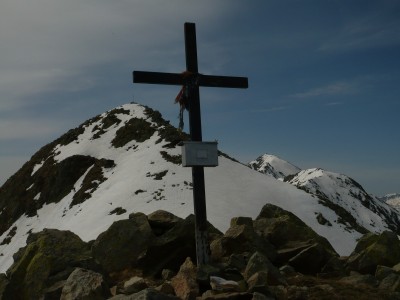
199, 195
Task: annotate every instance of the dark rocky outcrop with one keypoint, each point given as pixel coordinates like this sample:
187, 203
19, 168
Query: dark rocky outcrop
153, 257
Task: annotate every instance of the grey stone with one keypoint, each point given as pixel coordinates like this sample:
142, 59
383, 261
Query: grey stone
258, 262
134, 285
85, 284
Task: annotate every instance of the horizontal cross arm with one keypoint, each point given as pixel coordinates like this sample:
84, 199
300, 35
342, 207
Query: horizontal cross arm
179, 79
224, 81
157, 78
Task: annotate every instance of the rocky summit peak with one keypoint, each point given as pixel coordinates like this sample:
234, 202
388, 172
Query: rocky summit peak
80, 160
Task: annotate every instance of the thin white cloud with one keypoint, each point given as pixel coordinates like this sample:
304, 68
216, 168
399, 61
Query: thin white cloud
271, 109
337, 88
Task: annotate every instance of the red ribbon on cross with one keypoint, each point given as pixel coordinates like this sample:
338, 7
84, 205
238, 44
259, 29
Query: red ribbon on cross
183, 97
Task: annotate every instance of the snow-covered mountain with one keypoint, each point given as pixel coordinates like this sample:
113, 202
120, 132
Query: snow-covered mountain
274, 166
351, 199
128, 160
338, 191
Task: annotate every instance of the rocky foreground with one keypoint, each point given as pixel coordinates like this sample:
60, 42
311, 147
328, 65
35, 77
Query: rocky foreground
275, 256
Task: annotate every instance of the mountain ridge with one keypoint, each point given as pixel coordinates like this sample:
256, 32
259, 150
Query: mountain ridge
127, 160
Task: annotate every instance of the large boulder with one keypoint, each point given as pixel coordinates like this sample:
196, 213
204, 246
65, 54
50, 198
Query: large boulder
241, 238
260, 263
282, 227
49, 257
123, 243
170, 249
161, 221
373, 250
311, 260
85, 284
291, 236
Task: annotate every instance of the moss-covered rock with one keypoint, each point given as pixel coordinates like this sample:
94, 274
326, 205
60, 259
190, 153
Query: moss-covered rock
85, 284
241, 238
373, 250
296, 243
50, 256
285, 230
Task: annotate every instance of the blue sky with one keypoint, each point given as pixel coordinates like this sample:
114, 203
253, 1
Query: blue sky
323, 76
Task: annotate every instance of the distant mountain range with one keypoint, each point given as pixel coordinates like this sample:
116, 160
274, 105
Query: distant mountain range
128, 160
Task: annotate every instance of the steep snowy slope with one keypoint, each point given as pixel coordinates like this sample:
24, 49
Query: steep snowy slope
127, 160
274, 166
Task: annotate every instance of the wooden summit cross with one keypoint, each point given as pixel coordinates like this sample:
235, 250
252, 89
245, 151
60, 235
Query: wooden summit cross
191, 80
